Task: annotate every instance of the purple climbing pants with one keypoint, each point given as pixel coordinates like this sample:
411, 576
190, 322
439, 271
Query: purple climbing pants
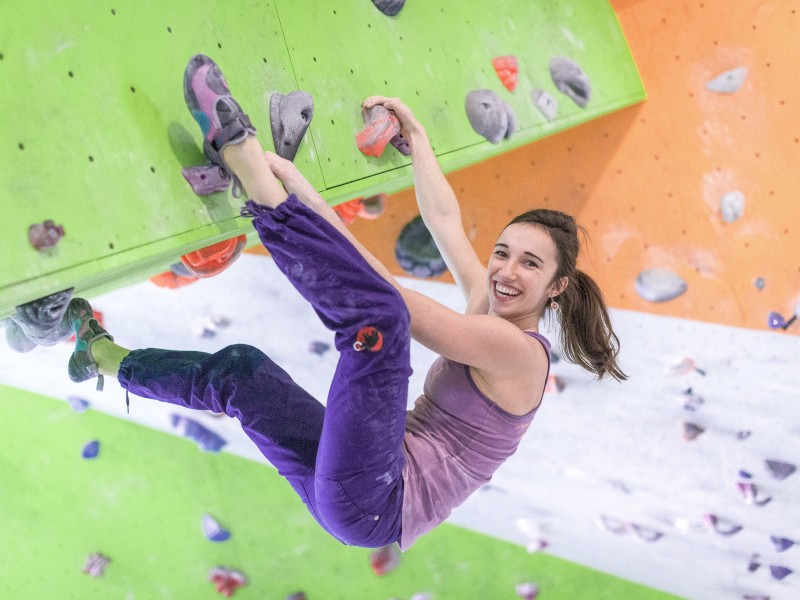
345, 459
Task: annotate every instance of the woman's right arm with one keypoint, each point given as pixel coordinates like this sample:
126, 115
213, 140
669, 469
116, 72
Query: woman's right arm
438, 206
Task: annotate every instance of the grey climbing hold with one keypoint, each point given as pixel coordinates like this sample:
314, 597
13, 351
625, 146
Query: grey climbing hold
39, 322
490, 116
780, 470
659, 285
732, 205
289, 116
691, 431
571, 80
546, 104
389, 7
417, 252
728, 82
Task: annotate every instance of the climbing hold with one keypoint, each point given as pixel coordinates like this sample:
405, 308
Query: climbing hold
684, 366
213, 530
691, 400
776, 321
611, 524
39, 322
554, 385
416, 251
489, 115
290, 115
721, 525
780, 470
535, 546
46, 235
380, 126
527, 591
749, 493
759, 283
546, 104
753, 564
728, 82
91, 450
732, 206
213, 259
743, 434
96, 564
170, 280
571, 80
389, 7
296, 596
755, 597
645, 534
691, 431
348, 211
371, 208
781, 544
206, 439
384, 560
319, 348
207, 179
401, 144
78, 405
226, 581
659, 285
507, 70
779, 573
744, 474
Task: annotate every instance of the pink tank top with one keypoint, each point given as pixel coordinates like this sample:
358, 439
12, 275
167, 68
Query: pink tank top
456, 438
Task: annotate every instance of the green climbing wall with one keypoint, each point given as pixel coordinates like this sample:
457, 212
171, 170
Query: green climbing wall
95, 128
141, 503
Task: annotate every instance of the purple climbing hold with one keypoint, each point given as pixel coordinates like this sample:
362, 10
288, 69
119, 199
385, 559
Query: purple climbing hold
755, 597
571, 80
780, 470
96, 564
691, 401
743, 434
527, 591
778, 572
691, 431
645, 533
401, 144
296, 596
290, 115
753, 564
319, 348
46, 235
39, 322
781, 544
207, 179
490, 116
611, 524
91, 450
213, 530
776, 321
389, 7
206, 439
659, 285
745, 474
720, 525
79, 405
749, 493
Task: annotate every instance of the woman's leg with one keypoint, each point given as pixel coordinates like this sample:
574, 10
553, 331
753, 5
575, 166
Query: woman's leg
360, 458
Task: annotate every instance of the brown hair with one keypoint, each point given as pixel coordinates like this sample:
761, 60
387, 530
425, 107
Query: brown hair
587, 338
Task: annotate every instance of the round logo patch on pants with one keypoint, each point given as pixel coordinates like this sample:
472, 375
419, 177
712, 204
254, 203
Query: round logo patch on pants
368, 338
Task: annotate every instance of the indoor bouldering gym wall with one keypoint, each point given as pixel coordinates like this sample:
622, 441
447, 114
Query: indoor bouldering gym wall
680, 482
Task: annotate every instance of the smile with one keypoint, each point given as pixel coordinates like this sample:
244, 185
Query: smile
505, 292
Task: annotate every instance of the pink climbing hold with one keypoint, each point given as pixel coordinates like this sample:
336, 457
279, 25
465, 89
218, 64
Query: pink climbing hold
721, 525
684, 366
384, 560
507, 70
46, 235
749, 493
527, 591
207, 179
96, 564
554, 385
380, 126
226, 581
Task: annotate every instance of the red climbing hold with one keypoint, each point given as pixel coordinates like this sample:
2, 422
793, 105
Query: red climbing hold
507, 70
380, 127
348, 211
214, 259
384, 560
171, 280
226, 581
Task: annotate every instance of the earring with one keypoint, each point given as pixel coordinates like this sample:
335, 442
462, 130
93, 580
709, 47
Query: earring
553, 304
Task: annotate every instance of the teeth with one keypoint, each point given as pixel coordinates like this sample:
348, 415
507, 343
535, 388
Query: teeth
506, 291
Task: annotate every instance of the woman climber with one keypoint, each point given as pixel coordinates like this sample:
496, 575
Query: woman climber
370, 473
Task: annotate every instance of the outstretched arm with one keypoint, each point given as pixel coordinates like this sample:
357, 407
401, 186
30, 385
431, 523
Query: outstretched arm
438, 206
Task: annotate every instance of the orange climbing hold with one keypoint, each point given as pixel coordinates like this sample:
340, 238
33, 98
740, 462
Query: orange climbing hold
507, 70
214, 259
348, 211
381, 125
171, 280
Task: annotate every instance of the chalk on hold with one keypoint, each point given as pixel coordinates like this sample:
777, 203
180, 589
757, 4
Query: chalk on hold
731, 206
384, 560
728, 82
659, 285
546, 104
489, 115
77, 404
213, 530
416, 251
780, 470
507, 70
571, 80
226, 581
380, 127
46, 235
389, 7
39, 322
206, 179
290, 115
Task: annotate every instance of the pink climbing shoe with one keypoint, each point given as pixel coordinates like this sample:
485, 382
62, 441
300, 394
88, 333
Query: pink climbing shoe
220, 117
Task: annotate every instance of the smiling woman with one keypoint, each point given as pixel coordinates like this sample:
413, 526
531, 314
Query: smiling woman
370, 473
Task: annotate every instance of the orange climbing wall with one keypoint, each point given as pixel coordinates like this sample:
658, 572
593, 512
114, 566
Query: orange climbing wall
646, 181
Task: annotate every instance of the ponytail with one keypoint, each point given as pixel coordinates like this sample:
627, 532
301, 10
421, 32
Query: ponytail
587, 338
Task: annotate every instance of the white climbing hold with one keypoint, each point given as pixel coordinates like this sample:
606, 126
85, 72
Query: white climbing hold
659, 285
732, 205
546, 104
728, 82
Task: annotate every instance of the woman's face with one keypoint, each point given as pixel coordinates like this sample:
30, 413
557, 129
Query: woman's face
520, 274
